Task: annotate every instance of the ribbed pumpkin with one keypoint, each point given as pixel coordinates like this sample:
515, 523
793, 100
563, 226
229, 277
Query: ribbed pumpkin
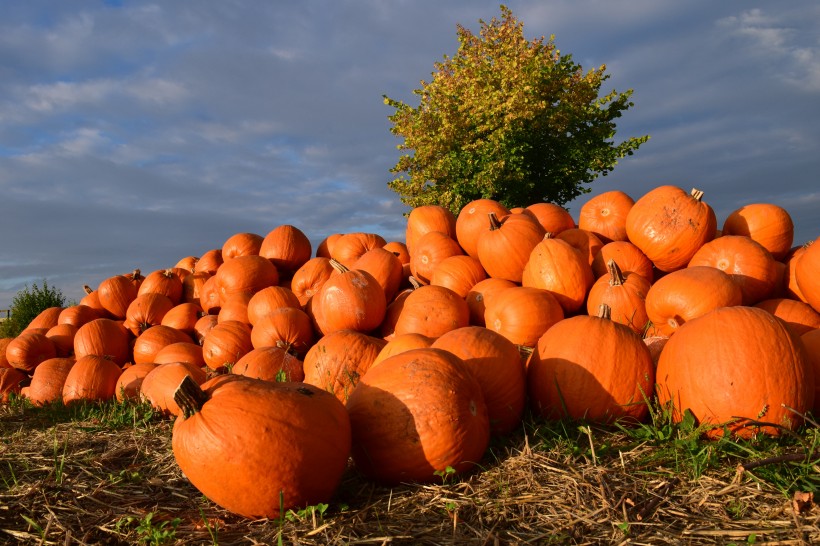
11, 381
162, 281
287, 247
129, 383
670, 225
146, 310
351, 246
270, 299
472, 222
117, 292
605, 215
270, 364
481, 293
806, 274
429, 251
506, 244
799, 316
226, 343
385, 267
496, 364
585, 242
293, 434
45, 318
628, 257
77, 315
686, 294
187, 263
735, 365
26, 351
749, 264
766, 223
48, 380
458, 273
428, 218
159, 385
325, 247
248, 274
183, 317
522, 314
432, 311
91, 378
338, 360
235, 307
209, 262
351, 300
553, 218
241, 244
415, 415
92, 299
181, 351
62, 336
152, 340
556, 266
592, 368
625, 294
287, 327
103, 337
309, 278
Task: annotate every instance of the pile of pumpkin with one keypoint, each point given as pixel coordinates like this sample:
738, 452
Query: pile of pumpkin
281, 363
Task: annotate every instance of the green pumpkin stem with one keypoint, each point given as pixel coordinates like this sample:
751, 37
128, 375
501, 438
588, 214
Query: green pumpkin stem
189, 397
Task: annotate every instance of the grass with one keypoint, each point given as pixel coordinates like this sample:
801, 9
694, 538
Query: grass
104, 473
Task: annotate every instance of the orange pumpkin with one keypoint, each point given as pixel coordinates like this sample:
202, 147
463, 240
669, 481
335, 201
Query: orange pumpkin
46, 318
11, 381
209, 262
48, 380
287, 327
766, 223
458, 273
505, 247
605, 215
430, 250
62, 336
522, 314
91, 378
77, 315
241, 244
248, 274
385, 267
402, 343
625, 294
338, 360
352, 300
806, 274
432, 311
129, 383
628, 257
428, 218
152, 340
585, 242
270, 364
556, 266
733, 367
226, 343
181, 351
351, 246
799, 316
26, 351
309, 278
472, 222
287, 247
183, 317
116, 294
146, 310
480, 294
103, 337
553, 218
162, 281
811, 341
159, 385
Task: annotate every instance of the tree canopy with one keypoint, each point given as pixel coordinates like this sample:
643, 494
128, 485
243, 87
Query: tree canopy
509, 119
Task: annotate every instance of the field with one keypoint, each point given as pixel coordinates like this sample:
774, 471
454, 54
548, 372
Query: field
105, 474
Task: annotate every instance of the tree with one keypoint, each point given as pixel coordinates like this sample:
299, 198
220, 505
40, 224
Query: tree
506, 119
27, 304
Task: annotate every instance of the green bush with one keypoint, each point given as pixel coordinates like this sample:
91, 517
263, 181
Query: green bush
27, 304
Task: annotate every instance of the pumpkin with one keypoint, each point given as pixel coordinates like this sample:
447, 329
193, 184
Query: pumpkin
152, 340
768, 224
289, 328
187, 263
338, 360
554, 265
287, 247
268, 300
28, 350
205, 324
163, 281
628, 257
241, 244
91, 378
431, 311
309, 278
209, 262
790, 288
799, 316
589, 367
192, 286
605, 215
496, 364
553, 218
415, 415
45, 319
129, 383
505, 247
458, 273
248, 274
426, 218
385, 267
146, 310
481, 293
295, 435
270, 364
399, 344
387, 329
4, 342
209, 298
351, 300
686, 294
116, 293
806, 274
235, 307
472, 222
522, 314
226, 343
181, 351
734, 367
351, 246
625, 294
585, 242
62, 336
670, 225
326, 245
749, 264
183, 317
159, 385
103, 337
11, 381
92, 299
429, 250
48, 380
77, 315
811, 341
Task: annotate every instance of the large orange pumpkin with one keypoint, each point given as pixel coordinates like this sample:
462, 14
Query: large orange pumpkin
270, 364
47, 381
430, 250
351, 300
799, 316
129, 383
28, 350
733, 367
287, 247
428, 218
605, 215
163, 281
459, 274
558, 267
415, 415
226, 343
91, 378
506, 244
472, 222
338, 360
553, 218
158, 385
522, 314
628, 257
806, 274
154, 339
432, 311
766, 223
294, 435
11, 381
241, 244
625, 294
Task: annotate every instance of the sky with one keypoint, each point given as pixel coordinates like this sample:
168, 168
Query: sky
135, 133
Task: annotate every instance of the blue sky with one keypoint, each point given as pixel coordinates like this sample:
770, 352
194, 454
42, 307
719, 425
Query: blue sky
133, 134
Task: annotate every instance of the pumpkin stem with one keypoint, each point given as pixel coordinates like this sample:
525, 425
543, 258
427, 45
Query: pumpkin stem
495, 223
605, 311
697, 194
87, 289
616, 276
525, 351
189, 397
339, 266
414, 282
549, 235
